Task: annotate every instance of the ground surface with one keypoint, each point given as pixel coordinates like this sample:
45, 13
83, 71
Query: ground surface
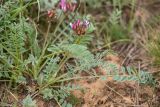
109, 93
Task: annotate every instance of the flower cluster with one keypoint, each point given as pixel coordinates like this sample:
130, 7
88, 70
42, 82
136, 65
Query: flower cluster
51, 13
67, 6
80, 27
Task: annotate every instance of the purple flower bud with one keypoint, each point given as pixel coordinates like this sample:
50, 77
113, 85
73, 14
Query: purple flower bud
63, 5
67, 6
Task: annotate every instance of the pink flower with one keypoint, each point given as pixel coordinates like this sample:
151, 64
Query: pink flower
63, 5
67, 6
50, 13
75, 24
78, 22
80, 27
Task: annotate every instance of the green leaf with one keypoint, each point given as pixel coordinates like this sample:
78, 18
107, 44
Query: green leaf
115, 17
64, 104
84, 40
48, 4
21, 80
91, 28
76, 51
69, 105
51, 69
47, 93
28, 102
54, 48
40, 79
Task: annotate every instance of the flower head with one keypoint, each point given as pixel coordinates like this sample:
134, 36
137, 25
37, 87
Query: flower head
50, 13
63, 5
67, 6
80, 27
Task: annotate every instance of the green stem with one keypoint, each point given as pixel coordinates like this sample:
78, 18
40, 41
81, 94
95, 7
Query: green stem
36, 71
45, 45
85, 77
46, 36
77, 41
53, 81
